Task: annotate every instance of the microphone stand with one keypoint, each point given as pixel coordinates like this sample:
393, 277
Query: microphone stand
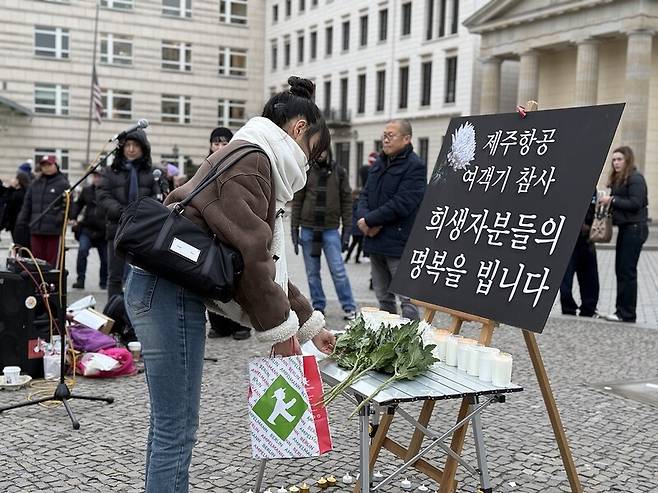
62, 392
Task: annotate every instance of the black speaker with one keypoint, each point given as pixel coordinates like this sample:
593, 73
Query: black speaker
24, 319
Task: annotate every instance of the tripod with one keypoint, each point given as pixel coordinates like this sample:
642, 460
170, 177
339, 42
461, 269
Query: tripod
62, 392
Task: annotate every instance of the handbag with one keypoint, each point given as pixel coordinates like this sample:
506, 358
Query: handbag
601, 229
163, 242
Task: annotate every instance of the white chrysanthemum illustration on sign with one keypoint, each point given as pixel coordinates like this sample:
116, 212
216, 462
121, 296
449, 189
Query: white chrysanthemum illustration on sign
462, 151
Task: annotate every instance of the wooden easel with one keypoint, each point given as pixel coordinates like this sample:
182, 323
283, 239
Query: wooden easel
446, 477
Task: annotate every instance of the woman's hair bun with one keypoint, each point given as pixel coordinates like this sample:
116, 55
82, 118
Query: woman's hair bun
303, 88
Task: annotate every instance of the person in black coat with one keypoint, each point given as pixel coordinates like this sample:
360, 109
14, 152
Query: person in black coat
388, 205
89, 230
584, 265
629, 202
20, 234
222, 326
129, 178
45, 233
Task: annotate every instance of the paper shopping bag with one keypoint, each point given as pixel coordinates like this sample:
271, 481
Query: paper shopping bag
286, 415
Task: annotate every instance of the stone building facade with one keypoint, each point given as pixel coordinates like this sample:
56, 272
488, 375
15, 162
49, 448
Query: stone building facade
575, 53
187, 66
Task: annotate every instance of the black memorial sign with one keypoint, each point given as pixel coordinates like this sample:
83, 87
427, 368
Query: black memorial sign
505, 203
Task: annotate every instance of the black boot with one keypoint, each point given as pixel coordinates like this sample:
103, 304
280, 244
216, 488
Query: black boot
79, 284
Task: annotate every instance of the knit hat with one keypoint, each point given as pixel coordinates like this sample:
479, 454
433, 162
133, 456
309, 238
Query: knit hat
172, 170
49, 159
222, 134
372, 157
26, 167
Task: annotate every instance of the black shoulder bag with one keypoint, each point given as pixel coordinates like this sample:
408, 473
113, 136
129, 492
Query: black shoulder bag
164, 242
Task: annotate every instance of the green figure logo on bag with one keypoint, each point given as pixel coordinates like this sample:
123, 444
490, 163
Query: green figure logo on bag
281, 407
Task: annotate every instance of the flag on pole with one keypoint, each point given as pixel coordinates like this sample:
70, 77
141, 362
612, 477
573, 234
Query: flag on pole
96, 98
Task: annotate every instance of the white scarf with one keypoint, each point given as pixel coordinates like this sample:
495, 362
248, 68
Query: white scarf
289, 164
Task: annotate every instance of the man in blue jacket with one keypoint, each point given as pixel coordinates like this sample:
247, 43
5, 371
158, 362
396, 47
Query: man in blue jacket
387, 209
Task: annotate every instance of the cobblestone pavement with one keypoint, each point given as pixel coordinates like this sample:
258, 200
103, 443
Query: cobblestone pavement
614, 440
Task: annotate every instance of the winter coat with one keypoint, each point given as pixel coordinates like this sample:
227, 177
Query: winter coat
355, 217
390, 198
112, 193
630, 201
15, 199
42, 192
239, 208
314, 208
92, 222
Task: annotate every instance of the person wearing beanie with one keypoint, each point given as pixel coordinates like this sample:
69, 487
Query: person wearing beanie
221, 326
45, 233
26, 167
129, 178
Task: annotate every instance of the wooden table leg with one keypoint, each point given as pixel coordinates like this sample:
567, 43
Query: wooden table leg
457, 444
553, 412
418, 436
378, 441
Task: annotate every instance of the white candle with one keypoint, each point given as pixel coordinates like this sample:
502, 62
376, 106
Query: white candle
464, 344
502, 370
486, 363
440, 350
473, 360
451, 349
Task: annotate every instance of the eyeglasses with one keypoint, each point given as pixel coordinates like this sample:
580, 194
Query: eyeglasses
389, 137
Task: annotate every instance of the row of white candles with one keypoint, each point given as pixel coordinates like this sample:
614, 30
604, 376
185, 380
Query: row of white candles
489, 364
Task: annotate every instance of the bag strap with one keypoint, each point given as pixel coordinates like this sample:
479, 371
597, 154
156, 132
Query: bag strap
219, 165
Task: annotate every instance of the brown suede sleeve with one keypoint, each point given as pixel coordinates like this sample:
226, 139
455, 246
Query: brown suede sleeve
299, 303
239, 215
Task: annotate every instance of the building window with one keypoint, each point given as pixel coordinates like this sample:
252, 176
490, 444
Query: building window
176, 109
117, 105
233, 11
52, 99
232, 62
429, 19
275, 54
118, 4
327, 97
176, 56
381, 90
403, 83
52, 42
300, 48
361, 94
426, 83
313, 48
329, 40
406, 19
116, 50
314, 3
343, 155
275, 13
231, 113
442, 18
286, 53
346, 35
451, 79
454, 25
363, 30
344, 94
383, 25
288, 8
177, 8
272, 90
423, 149
62, 156
379, 146
302, 6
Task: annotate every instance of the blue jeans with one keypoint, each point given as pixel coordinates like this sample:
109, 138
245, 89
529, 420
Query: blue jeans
331, 245
85, 245
170, 323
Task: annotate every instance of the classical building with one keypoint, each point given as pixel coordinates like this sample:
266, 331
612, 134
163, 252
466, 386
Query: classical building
184, 65
574, 53
373, 61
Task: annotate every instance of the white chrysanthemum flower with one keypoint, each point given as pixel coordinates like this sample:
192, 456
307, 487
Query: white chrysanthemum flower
462, 151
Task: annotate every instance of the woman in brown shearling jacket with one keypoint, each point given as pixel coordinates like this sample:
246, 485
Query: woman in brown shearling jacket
242, 207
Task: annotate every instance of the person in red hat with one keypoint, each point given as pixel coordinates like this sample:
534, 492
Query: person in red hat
46, 232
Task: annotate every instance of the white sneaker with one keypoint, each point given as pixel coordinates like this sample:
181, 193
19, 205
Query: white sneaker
613, 317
